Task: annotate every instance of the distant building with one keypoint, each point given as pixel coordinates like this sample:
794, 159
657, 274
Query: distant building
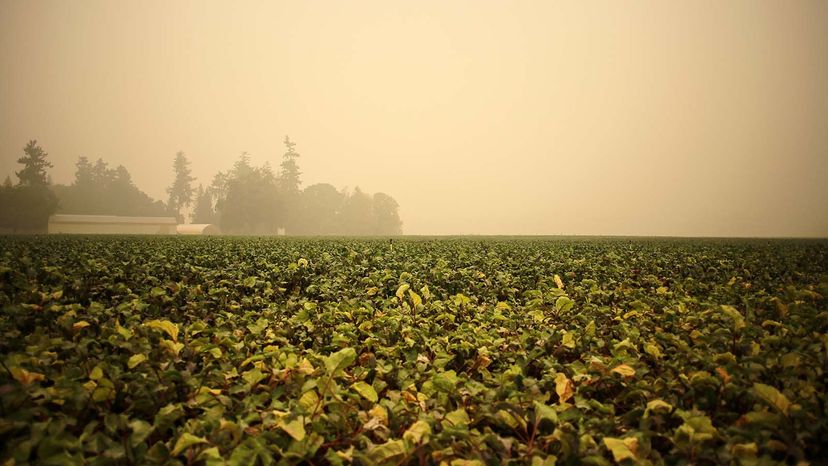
111, 224
198, 229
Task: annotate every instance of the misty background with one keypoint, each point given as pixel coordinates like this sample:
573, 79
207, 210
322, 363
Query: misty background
639, 118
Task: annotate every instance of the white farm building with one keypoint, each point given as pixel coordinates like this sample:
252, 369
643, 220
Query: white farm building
111, 224
198, 229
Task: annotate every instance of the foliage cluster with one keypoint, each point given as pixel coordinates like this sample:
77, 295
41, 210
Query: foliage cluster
26, 206
243, 200
260, 351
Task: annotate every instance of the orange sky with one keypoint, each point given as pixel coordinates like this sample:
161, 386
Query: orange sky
479, 117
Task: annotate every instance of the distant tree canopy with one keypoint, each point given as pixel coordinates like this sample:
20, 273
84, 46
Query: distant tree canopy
253, 200
243, 200
100, 190
26, 207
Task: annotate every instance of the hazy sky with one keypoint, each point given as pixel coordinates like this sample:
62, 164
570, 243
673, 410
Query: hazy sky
506, 117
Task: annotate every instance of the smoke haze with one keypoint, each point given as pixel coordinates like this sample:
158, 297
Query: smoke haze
478, 117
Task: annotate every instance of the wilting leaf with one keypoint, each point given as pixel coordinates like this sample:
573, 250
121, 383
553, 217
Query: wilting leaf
563, 387
401, 290
558, 282
416, 300
624, 370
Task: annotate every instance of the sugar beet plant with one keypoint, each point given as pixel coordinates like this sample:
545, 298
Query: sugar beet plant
247, 351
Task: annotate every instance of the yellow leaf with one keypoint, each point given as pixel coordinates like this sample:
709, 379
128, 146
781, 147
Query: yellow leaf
622, 449
165, 325
172, 346
624, 370
380, 413
418, 432
773, 397
79, 325
563, 387
126, 333
309, 400
653, 350
559, 282
415, 298
568, 340
136, 359
25, 377
659, 405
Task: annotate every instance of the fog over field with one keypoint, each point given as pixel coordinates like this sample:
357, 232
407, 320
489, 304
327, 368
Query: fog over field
702, 118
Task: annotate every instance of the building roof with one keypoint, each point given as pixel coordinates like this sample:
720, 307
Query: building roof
68, 218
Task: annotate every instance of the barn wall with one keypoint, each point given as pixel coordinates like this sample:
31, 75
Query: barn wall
111, 228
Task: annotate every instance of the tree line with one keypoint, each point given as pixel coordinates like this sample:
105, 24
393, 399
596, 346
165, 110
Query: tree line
246, 199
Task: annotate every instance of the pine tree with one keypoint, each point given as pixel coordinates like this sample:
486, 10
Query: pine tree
203, 211
181, 191
34, 165
289, 176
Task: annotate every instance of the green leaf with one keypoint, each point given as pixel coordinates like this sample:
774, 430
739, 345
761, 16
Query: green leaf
366, 391
140, 431
458, 417
253, 377
446, 381
387, 450
545, 412
564, 304
294, 428
186, 441
338, 361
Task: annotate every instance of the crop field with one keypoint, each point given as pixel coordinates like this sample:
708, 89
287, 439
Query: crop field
242, 351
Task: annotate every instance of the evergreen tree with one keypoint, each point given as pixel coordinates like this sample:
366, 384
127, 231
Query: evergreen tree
203, 211
181, 191
34, 165
27, 206
289, 175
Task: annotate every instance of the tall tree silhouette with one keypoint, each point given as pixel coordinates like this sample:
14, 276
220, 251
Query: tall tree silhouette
289, 186
34, 165
27, 206
181, 191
